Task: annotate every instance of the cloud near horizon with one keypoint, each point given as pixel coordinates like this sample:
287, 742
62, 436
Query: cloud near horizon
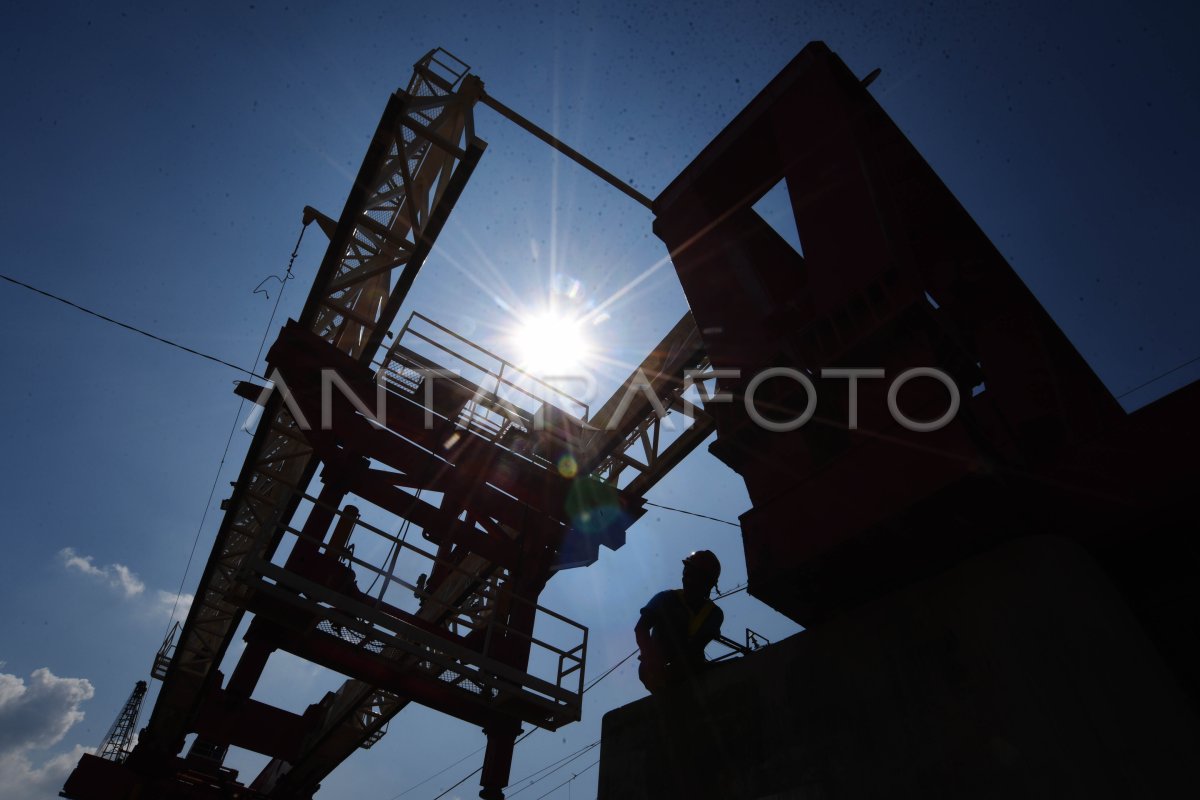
36, 715
118, 576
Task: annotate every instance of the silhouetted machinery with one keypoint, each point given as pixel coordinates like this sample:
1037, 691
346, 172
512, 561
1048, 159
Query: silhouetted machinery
894, 398
508, 479
894, 276
994, 563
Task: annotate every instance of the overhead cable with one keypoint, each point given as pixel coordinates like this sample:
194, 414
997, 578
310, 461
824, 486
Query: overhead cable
1159, 377
229, 440
693, 514
568, 780
128, 327
523, 737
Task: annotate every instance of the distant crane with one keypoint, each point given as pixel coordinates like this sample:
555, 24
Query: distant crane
118, 743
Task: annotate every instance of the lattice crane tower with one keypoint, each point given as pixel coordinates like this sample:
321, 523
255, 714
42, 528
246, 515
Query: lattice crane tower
431, 428
116, 744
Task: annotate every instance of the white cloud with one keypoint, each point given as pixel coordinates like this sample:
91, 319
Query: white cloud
157, 604
166, 602
39, 713
34, 716
24, 780
118, 576
126, 580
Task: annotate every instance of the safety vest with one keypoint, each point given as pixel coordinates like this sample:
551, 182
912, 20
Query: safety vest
696, 619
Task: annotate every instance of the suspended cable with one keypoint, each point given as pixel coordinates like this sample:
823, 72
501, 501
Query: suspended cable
605, 674
394, 550
562, 762
128, 327
479, 769
693, 514
1157, 378
283, 284
741, 587
434, 775
203, 517
578, 752
573, 777
287, 275
463, 779
614, 667
610, 670
233, 429
525, 736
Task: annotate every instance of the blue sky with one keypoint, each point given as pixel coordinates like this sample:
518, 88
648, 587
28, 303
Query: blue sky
155, 163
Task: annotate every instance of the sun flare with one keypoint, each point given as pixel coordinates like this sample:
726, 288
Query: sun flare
551, 344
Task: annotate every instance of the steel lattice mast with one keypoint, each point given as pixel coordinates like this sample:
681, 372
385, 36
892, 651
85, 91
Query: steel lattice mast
116, 744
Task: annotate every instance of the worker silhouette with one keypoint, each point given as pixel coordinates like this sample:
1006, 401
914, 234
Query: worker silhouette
677, 624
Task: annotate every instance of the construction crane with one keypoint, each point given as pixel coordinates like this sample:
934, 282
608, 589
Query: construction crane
430, 413
511, 481
117, 741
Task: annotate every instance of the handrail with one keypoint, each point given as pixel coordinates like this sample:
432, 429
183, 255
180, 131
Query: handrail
471, 616
505, 363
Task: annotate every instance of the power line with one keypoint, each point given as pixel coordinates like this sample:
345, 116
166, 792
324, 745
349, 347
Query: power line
203, 517
518, 741
463, 779
439, 772
229, 440
128, 327
479, 769
557, 765
282, 285
568, 780
741, 587
694, 514
572, 756
610, 670
225, 453
1157, 378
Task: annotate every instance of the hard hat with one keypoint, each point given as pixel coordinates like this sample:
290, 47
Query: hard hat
706, 562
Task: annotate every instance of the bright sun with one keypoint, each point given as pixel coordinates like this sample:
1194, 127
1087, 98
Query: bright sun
550, 344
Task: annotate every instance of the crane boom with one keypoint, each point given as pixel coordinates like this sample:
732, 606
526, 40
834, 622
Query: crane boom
423, 151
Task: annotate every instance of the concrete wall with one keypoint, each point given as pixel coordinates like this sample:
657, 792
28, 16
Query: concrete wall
1018, 674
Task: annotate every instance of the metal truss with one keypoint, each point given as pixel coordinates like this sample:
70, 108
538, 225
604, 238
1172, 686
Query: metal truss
549, 701
115, 746
634, 434
505, 414
421, 156
384, 644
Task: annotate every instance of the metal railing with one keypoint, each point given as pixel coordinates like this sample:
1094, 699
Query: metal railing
495, 375
470, 598
166, 652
